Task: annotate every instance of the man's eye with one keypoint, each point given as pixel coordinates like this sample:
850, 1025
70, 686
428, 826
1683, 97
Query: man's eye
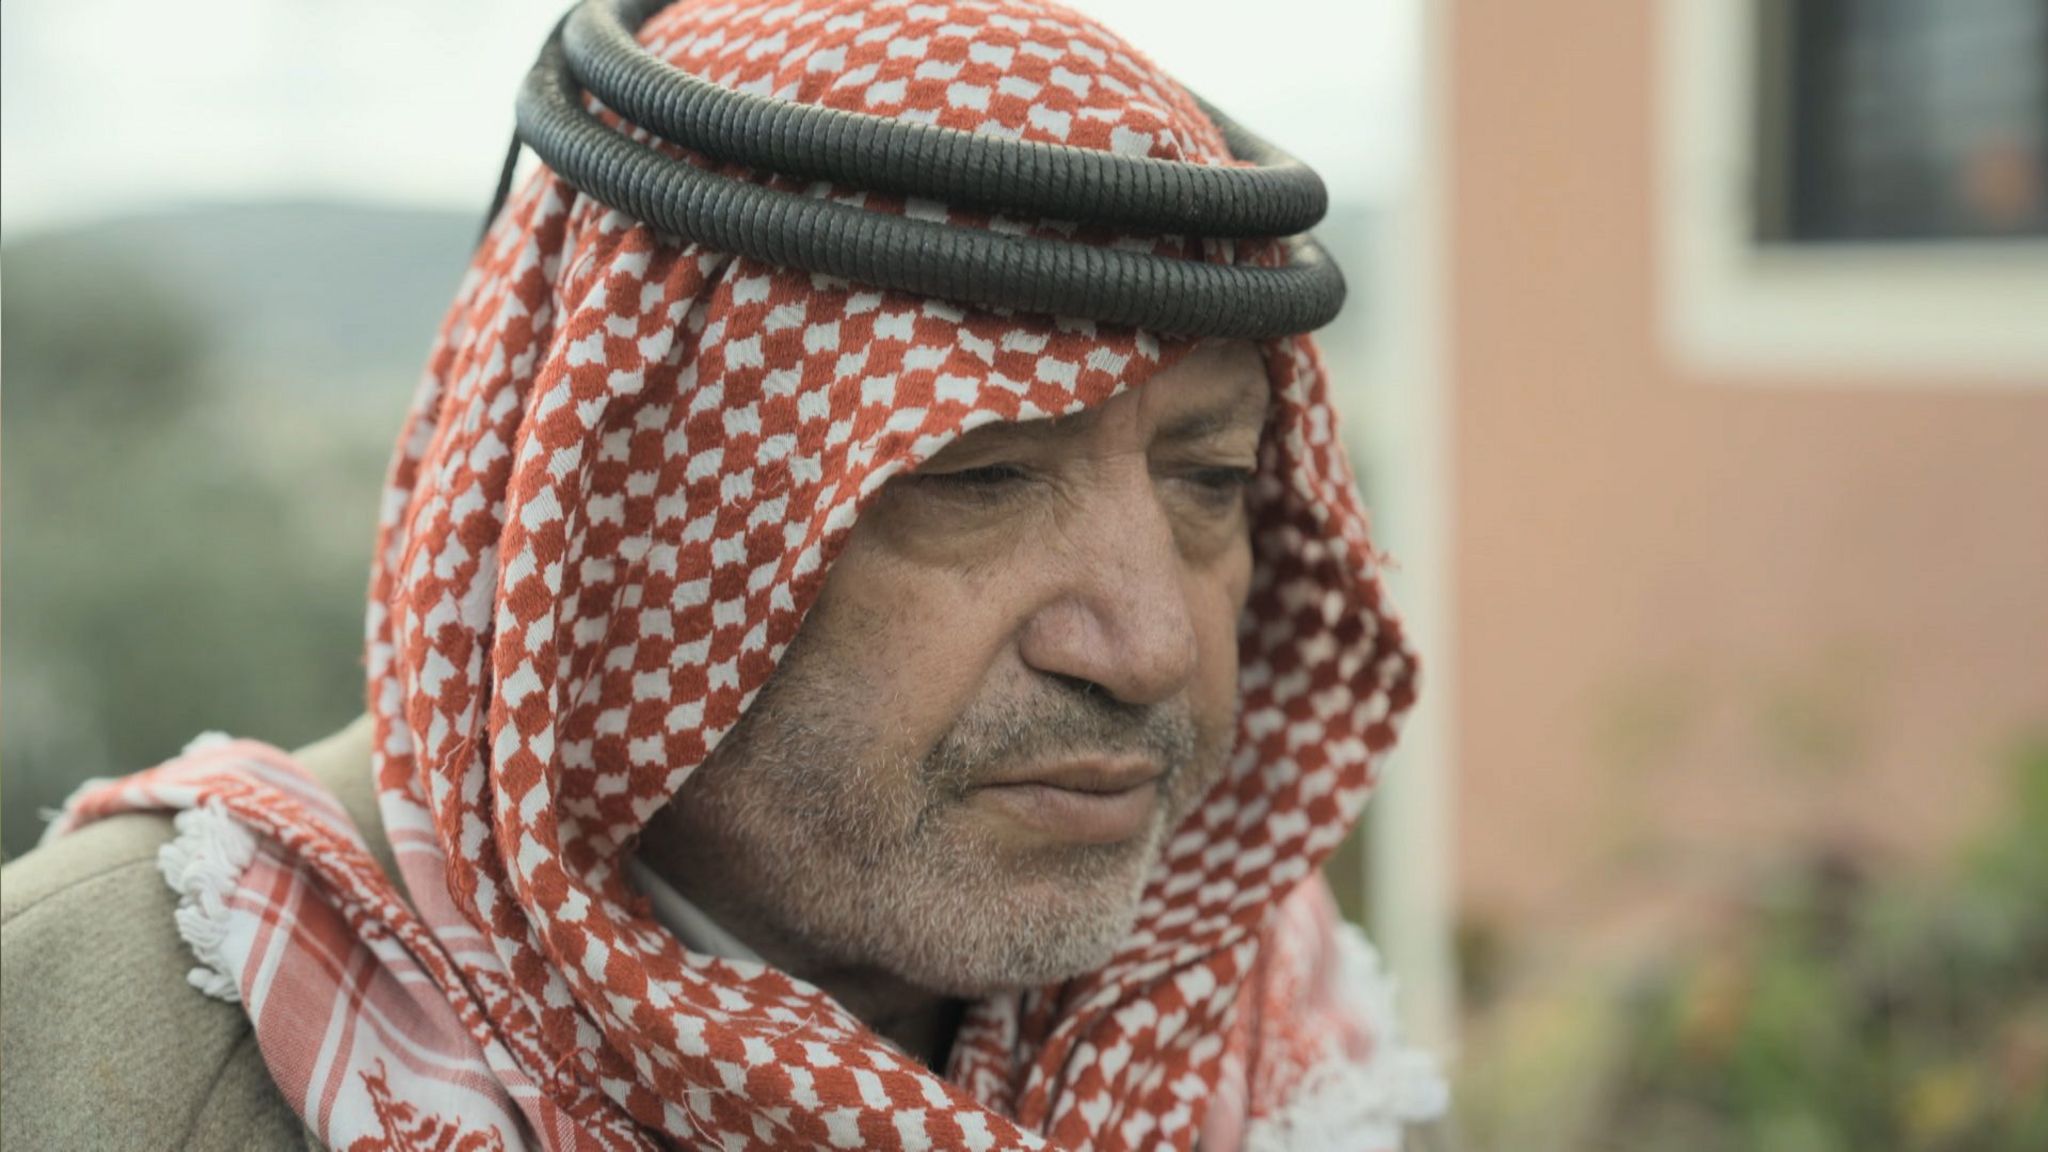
989, 482
1220, 485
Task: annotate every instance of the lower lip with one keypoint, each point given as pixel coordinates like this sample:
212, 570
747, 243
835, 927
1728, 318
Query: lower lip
1080, 817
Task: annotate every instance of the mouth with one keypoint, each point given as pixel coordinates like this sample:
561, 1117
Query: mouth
1083, 801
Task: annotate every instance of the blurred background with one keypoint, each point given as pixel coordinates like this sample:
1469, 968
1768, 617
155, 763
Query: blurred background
1696, 370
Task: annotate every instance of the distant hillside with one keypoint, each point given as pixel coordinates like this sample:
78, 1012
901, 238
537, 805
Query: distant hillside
199, 405
311, 292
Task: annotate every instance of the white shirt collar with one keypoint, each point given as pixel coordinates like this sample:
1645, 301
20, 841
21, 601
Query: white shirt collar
686, 921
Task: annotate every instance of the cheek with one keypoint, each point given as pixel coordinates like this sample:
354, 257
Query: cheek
1217, 596
911, 642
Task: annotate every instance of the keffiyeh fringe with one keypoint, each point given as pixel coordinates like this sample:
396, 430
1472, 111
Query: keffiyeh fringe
1343, 1104
204, 864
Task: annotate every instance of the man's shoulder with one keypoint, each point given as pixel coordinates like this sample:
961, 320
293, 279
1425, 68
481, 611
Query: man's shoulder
103, 1042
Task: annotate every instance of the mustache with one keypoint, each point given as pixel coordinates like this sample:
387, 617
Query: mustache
1058, 724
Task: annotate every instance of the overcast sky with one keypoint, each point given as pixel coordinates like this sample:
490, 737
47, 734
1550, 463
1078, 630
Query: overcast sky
111, 106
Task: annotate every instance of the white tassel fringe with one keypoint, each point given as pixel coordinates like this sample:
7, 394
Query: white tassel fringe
1346, 1106
203, 864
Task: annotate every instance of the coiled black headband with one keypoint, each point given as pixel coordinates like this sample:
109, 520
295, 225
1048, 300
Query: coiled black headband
594, 49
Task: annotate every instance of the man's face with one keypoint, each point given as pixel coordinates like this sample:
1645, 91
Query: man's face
1020, 674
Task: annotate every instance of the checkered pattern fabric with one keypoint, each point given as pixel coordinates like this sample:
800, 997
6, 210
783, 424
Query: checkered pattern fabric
626, 474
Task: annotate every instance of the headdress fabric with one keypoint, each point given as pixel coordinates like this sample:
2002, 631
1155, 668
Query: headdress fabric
626, 474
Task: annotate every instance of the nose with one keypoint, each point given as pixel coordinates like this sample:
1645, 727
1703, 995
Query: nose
1120, 618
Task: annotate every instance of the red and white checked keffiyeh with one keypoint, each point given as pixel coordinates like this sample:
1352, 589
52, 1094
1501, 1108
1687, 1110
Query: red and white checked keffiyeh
627, 471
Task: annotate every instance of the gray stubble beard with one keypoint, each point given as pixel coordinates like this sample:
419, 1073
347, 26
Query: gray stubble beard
862, 864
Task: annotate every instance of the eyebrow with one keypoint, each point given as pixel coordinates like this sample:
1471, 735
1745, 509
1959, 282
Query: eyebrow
1247, 409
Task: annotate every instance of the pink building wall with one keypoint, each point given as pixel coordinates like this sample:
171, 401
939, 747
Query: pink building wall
1699, 621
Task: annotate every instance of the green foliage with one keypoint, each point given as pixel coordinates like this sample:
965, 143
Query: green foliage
1855, 1016
94, 340
187, 546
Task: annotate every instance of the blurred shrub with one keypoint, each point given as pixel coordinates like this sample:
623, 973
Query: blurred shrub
1857, 1016
186, 544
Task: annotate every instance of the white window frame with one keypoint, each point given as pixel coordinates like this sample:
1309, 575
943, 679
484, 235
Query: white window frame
1960, 312
1404, 425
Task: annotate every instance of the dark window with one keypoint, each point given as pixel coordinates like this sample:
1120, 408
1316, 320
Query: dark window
1902, 120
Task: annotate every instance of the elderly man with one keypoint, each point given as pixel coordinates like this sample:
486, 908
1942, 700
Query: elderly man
803, 711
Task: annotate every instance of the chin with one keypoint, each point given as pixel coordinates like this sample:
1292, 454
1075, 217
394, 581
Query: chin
1027, 929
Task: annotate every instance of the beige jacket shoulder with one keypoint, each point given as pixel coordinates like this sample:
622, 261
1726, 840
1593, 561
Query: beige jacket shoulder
103, 1043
